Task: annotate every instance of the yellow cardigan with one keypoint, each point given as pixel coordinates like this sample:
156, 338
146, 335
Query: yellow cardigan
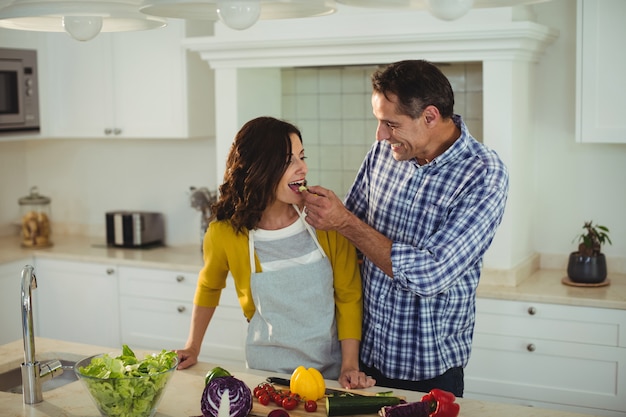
226, 251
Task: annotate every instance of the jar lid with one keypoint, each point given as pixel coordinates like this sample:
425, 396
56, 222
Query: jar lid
34, 198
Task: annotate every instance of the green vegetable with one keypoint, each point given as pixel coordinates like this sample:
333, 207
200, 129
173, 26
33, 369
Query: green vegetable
125, 386
346, 406
214, 373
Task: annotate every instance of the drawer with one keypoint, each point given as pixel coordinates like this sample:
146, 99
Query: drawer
157, 283
594, 326
543, 370
168, 284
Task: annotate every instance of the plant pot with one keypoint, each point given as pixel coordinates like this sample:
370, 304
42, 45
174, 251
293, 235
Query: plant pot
586, 269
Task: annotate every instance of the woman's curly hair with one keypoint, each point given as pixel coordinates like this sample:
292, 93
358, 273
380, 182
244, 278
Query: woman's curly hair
258, 158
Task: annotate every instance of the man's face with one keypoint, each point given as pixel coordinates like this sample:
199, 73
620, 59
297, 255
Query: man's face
407, 137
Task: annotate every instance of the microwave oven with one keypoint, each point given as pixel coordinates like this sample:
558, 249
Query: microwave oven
19, 90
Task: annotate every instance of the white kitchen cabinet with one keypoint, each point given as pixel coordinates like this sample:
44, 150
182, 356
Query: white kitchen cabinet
10, 300
126, 85
556, 356
156, 306
77, 302
601, 86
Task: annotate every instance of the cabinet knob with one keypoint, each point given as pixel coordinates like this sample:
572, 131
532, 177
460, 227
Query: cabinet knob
180, 278
532, 311
531, 347
108, 131
110, 271
117, 131
181, 309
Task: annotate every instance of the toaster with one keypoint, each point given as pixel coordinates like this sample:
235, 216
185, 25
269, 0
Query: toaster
134, 229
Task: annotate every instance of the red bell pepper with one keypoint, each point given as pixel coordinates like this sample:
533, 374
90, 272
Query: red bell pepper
441, 403
437, 403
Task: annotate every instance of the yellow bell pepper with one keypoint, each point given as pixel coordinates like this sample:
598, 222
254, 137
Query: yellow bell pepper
308, 383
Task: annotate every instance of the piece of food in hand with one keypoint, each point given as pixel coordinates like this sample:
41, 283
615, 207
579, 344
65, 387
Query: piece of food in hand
302, 188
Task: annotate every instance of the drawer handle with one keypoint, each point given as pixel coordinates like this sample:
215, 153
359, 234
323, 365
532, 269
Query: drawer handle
180, 278
532, 311
531, 347
181, 309
110, 271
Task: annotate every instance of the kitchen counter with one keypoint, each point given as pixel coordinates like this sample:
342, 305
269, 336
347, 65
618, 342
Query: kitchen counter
542, 286
182, 397
83, 249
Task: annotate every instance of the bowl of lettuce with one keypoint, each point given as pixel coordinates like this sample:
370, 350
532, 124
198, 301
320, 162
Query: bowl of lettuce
125, 386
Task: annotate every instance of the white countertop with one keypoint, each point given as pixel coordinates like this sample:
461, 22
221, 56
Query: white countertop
182, 397
543, 286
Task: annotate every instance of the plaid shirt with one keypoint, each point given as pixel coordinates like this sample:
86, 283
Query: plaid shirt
441, 218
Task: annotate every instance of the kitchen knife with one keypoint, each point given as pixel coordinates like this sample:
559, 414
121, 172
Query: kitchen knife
329, 391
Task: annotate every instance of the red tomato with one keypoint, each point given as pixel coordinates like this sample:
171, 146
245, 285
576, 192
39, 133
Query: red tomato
310, 406
264, 399
278, 399
289, 403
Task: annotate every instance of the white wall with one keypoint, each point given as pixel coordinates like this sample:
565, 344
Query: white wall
86, 178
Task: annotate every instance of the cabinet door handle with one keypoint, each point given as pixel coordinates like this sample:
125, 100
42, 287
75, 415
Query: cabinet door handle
532, 310
180, 278
181, 309
110, 271
531, 347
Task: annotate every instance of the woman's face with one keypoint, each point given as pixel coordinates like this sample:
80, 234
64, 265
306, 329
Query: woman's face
295, 175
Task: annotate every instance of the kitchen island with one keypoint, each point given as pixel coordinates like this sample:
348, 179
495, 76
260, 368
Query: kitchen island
530, 343
182, 397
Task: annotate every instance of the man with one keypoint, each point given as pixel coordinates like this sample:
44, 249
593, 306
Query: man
423, 210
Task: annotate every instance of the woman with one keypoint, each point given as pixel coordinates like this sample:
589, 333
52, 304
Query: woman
299, 289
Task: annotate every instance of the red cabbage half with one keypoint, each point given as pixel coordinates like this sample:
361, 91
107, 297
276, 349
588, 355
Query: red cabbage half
239, 395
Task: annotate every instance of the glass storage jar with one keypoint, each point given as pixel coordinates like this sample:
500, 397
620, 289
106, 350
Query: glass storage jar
35, 212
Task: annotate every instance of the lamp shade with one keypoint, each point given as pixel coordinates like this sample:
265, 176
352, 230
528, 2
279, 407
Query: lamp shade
442, 9
207, 9
80, 16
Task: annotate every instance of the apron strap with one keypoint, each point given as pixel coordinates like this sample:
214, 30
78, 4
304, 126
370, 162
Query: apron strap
251, 251
310, 230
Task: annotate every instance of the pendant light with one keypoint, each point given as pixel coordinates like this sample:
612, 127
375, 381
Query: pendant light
237, 14
441, 9
81, 19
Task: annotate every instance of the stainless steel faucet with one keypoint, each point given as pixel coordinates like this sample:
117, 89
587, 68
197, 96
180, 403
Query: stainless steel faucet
33, 372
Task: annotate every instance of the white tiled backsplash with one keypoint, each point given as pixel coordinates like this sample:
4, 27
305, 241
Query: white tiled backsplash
332, 108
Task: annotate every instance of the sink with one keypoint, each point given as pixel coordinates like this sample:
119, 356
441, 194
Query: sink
11, 380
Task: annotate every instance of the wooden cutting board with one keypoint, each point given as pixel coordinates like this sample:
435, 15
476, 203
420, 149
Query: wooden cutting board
261, 410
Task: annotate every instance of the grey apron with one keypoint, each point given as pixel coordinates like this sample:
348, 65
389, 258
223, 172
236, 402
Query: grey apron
294, 322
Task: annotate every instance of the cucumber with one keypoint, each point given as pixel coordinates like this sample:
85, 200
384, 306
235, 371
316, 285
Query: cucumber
347, 406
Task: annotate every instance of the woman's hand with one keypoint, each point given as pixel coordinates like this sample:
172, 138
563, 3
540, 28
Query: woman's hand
353, 379
186, 358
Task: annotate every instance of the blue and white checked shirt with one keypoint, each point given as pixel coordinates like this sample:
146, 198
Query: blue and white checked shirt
441, 218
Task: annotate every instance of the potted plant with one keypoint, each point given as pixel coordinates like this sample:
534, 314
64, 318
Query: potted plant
588, 264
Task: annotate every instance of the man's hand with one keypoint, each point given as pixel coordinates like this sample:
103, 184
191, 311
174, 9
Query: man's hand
324, 209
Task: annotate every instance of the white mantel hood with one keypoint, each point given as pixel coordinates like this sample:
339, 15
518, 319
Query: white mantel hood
524, 41
247, 66
366, 37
